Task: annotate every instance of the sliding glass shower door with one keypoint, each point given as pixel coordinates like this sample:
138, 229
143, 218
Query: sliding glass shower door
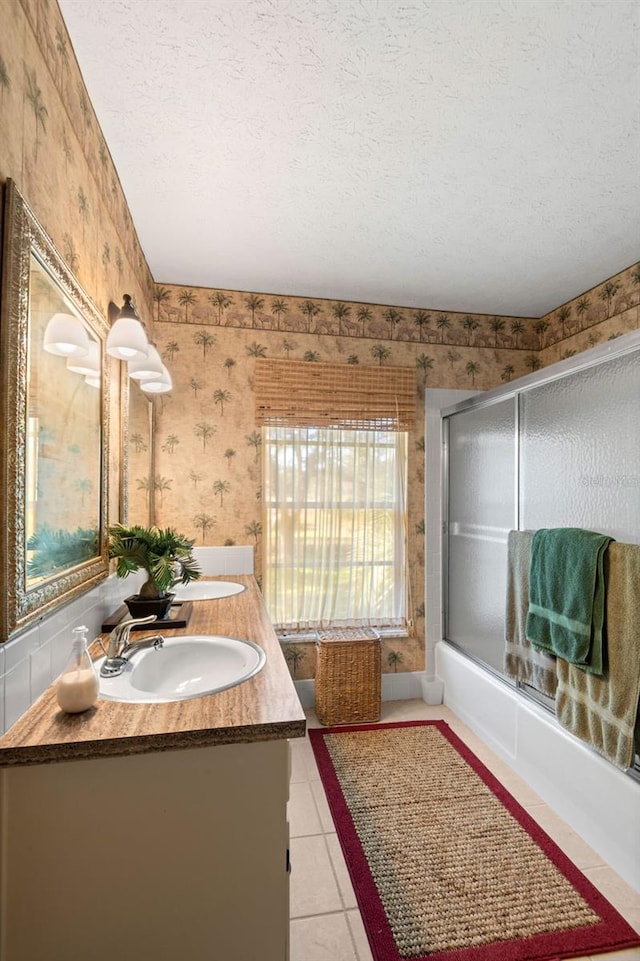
560, 448
580, 451
481, 511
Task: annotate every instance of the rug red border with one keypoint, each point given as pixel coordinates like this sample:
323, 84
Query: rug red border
613, 933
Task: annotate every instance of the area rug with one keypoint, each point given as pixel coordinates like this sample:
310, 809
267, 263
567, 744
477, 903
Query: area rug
445, 863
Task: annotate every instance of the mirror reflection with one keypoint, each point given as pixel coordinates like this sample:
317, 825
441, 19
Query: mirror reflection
138, 459
54, 412
63, 453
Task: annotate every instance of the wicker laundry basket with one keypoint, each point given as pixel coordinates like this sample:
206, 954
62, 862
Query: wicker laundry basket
348, 676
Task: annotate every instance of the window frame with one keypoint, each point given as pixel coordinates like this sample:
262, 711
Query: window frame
397, 617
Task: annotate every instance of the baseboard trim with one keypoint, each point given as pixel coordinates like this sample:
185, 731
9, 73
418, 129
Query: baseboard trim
404, 686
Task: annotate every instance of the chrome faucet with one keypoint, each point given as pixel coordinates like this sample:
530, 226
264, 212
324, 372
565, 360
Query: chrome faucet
120, 646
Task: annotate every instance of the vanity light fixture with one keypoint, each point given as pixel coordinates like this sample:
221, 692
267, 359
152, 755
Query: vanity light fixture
66, 336
93, 381
157, 385
146, 367
89, 365
127, 339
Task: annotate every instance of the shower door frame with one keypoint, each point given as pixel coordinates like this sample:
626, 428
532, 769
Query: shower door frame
626, 344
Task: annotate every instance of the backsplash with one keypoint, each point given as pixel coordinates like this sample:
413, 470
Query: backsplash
31, 662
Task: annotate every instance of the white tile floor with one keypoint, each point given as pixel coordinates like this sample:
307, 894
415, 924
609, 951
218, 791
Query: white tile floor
325, 921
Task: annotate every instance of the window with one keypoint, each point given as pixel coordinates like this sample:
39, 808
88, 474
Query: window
334, 526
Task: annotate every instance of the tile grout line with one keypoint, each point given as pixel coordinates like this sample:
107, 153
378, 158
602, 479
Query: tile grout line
335, 875
342, 900
343, 912
319, 914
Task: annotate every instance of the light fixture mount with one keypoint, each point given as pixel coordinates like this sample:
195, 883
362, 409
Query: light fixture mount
127, 338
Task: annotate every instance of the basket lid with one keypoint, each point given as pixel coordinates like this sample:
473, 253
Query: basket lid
347, 635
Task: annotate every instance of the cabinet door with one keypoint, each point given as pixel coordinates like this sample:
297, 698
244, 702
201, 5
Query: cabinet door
179, 854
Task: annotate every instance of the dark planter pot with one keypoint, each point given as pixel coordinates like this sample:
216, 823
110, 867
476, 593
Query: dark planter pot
143, 606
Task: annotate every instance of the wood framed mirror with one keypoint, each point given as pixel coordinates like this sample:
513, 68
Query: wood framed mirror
54, 427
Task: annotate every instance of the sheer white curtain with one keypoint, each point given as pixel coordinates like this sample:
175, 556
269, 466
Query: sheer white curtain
334, 527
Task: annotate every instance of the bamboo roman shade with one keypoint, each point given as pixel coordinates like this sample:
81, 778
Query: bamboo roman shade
299, 393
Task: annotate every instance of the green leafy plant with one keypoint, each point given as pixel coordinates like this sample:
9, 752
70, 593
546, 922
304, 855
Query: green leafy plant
58, 549
165, 555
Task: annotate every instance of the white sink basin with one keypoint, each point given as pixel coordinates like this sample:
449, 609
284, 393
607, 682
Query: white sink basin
206, 590
189, 666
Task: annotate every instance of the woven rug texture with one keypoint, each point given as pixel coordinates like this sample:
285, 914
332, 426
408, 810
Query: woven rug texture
444, 861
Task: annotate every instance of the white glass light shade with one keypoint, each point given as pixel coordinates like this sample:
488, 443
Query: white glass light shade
146, 367
93, 381
66, 336
89, 365
127, 340
157, 385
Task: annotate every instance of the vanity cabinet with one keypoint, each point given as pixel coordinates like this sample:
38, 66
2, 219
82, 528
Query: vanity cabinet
162, 855
154, 831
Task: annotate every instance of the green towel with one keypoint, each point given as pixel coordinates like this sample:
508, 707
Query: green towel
602, 711
567, 595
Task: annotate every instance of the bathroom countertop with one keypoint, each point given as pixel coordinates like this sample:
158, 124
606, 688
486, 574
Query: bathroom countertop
265, 707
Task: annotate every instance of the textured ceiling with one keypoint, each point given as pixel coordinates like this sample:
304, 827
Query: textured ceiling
474, 156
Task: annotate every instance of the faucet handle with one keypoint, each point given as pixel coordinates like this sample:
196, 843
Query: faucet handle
130, 621
119, 636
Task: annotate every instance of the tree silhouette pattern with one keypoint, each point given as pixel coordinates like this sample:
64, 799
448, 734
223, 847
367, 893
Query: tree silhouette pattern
443, 323
220, 488
221, 302
204, 339
607, 294
310, 310
171, 443
203, 523
40, 112
421, 319
95, 199
394, 658
186, 299
220, 398
5, 80
205, 432
278, 308
381, 353
294, 654
254, 302
161, 295
340, 311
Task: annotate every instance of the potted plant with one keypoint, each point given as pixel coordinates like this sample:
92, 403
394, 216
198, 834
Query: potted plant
165, 555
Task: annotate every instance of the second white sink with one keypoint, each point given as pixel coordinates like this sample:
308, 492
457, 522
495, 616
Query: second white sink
206, 590
184, 667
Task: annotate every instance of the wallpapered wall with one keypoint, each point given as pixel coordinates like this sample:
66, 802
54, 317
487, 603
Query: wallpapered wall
207, 479
207, 476
52, 147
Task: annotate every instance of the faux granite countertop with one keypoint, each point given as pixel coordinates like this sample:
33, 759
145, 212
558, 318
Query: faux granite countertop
265, 707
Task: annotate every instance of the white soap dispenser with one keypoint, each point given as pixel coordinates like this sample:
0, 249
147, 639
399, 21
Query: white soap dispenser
78, 685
